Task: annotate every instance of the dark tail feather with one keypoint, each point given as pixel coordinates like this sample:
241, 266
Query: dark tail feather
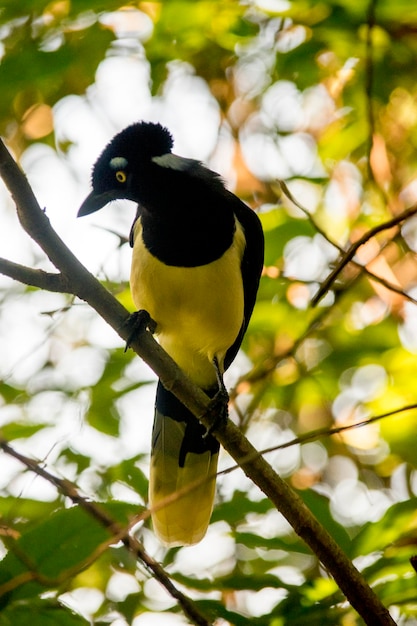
180, 456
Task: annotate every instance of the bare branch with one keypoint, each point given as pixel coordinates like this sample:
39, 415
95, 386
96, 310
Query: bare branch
350, 253
118, 533
329, 432
34, 278
347, 256
320, 433
350, 581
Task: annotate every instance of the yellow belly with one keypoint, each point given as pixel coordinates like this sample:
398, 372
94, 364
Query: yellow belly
198, 310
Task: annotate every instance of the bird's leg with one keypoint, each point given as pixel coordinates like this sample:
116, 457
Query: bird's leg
222, 391
137, 323
218, 407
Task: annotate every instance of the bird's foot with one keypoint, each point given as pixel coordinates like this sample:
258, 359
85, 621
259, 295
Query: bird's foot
217, 411
137, 323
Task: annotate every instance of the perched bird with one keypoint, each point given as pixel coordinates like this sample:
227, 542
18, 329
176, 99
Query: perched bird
197, 260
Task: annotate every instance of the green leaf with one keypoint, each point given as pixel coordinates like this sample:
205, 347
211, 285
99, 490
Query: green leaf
19, 430
234, 511
399, 521
24, 509
30, 75
279, 229
40, 613
216, 610
12, 395
236, 580
400, 591
102, 413
129, 473
252, 541
319, 505
43, 556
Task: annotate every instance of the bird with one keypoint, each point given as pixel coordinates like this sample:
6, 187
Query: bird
197, 258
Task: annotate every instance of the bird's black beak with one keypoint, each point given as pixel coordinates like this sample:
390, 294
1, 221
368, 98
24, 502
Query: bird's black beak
95, 201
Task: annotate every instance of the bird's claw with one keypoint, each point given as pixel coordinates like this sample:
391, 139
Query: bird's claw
137, 323
217, 411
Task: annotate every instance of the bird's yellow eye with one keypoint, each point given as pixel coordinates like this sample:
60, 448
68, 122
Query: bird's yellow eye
121, 176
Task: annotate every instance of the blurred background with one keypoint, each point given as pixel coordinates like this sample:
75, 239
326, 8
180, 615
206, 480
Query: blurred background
309, 112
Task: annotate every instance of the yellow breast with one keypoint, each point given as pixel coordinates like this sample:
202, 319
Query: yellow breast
198, 310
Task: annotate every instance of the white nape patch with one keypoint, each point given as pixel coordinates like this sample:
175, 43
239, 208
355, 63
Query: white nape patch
174, 162
118, 163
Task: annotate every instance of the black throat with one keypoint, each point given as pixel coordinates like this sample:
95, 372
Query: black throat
187, 216
188, 238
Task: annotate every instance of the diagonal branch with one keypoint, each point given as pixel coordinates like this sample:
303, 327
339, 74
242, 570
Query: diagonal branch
350, 253
368, 235
81, 282
320, 433
118, 533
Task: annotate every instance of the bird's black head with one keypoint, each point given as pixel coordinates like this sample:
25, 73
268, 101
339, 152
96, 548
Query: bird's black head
128, 153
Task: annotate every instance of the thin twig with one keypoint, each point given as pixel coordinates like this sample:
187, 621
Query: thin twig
319, 433
118, 533
347, 256
350, 253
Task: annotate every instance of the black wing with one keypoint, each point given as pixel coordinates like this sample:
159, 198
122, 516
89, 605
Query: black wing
252, 264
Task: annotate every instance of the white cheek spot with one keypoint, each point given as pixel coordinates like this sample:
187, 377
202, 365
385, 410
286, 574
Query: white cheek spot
118, 163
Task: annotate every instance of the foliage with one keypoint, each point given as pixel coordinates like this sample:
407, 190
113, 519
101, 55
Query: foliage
323, 96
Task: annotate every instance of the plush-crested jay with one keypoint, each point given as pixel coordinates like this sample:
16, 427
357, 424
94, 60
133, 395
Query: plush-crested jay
197, 260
